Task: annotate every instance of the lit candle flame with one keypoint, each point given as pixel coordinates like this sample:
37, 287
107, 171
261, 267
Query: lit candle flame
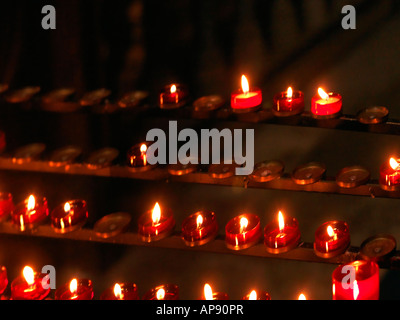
289, 93
281, 221
73, 286
199, 221
356, 291
208, 294
143, 149
394, 164
117, 291
67, 207
156, 214
245, 84
302, 297
29, 275
243, 224
31, 203
323, 94
173, 88
330, 231
253, 295
160, 295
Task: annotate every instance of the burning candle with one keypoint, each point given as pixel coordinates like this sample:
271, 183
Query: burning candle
288, 103
163, 292
173, 96
77, 289
331, 239
210, 295
30, 213
242, 231
121, 291
69, 216
156, 224
137, 158
6, 205
281, 235
199, 228
3, 279
326, 105
302, 297
257, 295
29, 286
246, 99
389, 175
358, 280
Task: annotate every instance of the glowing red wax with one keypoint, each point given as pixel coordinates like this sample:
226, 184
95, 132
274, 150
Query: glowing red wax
21, 290
365, 286
68, 215
128, 292
284, 105
389, 177
279, 239
84, 291
329, 106
259, 295
332, 241
246, 98
151, 230
199, 228
25, 218
163, 292
173, 96
6, 205
239, 236
3, 279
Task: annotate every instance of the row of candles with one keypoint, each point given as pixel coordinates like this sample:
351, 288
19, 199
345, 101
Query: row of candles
247, 99
33, 285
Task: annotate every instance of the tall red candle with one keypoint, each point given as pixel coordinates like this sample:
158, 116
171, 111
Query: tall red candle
69, 216
6, 205
121, 291
326, 105
331, 238
199, 228
358, 280
242, 231
163, 292
156, 224
29, 286
282, 234
76, 289
288, 103
246, 99
30, 213
3, 279
389, 175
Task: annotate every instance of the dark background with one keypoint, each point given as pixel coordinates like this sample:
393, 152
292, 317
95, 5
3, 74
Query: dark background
129, 45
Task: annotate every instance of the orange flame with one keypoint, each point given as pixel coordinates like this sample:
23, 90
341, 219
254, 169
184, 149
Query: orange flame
29, 275
31, 203
67, 207
160, 295
199, 221
173, 88
289, 93
243, 224
156, 214
281, 221
245, 84
323, 94
117, 291
208, 294
253, 295
394, 164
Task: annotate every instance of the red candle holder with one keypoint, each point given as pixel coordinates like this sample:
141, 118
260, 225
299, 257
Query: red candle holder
246, 99
163, 292
121, 291
156, 224
3, 279
242, 232
29, 286
6, 205
389, 175
77, 289
173, 96
364, 285
137, 158
288, 103
281, 235
326, 105
257, 295
208, 294
29, 213
199, 228
69, 216
331, 239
